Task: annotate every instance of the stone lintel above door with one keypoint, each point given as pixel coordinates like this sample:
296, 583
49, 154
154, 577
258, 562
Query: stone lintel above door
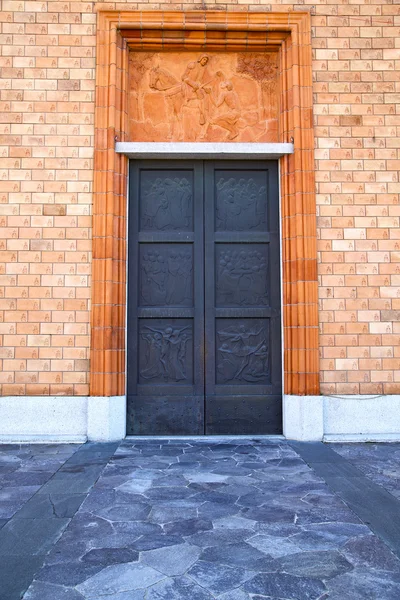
203, 150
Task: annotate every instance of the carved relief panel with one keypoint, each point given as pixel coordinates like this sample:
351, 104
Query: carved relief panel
166, 275
188, 96
165, 351
241, 201
242, 351
241, 275
166, 201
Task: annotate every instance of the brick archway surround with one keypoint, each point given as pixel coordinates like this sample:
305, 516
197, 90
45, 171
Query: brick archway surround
290, 34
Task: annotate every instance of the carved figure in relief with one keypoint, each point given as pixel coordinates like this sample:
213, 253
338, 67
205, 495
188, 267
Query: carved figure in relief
187, 92
239, 360
139, 64
166, 353
153, 355
197, 90
166, 278
241, 205
195, 78
229, 100
242, 278
216, 96
258, 365
161, 80
167, 204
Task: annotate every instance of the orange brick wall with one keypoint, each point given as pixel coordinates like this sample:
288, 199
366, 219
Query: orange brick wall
47, 80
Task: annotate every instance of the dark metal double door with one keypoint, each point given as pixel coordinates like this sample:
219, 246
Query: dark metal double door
204, 333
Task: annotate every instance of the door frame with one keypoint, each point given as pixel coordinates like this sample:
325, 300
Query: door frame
289, 33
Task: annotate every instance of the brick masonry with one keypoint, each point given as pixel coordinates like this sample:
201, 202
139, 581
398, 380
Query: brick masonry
47, 103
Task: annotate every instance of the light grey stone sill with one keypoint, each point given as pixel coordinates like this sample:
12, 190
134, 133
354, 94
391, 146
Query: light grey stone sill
203, 150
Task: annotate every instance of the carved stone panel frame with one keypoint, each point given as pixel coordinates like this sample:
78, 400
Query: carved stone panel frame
289, 33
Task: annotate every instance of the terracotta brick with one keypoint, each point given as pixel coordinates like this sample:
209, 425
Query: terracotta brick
47, 107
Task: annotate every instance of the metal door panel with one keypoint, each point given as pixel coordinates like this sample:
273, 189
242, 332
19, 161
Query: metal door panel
204, 330
165, 299
243, 357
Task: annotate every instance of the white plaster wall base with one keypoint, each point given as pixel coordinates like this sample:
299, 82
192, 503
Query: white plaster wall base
106, 420
43, 419
61, 419
303, 418
362, 418
342, 419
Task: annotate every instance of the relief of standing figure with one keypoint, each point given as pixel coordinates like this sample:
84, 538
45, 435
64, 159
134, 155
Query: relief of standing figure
165, 356
240, 357
194, 79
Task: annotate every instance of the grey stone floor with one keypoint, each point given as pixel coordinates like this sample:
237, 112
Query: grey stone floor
237, 520
378, 462
23, 471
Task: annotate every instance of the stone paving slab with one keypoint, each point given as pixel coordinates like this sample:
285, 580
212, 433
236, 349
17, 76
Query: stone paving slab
37, 519
196, 520
24, 468
379, 462
372, 503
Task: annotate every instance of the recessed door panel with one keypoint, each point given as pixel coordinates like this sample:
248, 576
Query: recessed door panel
166, 274
166, 200
241, 275
240, 198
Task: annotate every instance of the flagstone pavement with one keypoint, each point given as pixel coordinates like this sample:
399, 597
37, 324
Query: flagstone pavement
237, 519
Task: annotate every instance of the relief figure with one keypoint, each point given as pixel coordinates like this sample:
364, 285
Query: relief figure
218, 96
242, 278
201, 90
228, 99
258, 365
167, 204
163, 81
241, 358
187, 92
195, 78
153, 355
154, 276
165, 353
166, 278
241, 204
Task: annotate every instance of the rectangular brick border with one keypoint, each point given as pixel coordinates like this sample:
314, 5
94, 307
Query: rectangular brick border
118, 32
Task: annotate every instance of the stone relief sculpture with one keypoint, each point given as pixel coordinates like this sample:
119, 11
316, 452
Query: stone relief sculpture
194, 81
241, 204
165, 355
229, 100
166, 277
255, 65
242, 278
242, 355
203, 97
